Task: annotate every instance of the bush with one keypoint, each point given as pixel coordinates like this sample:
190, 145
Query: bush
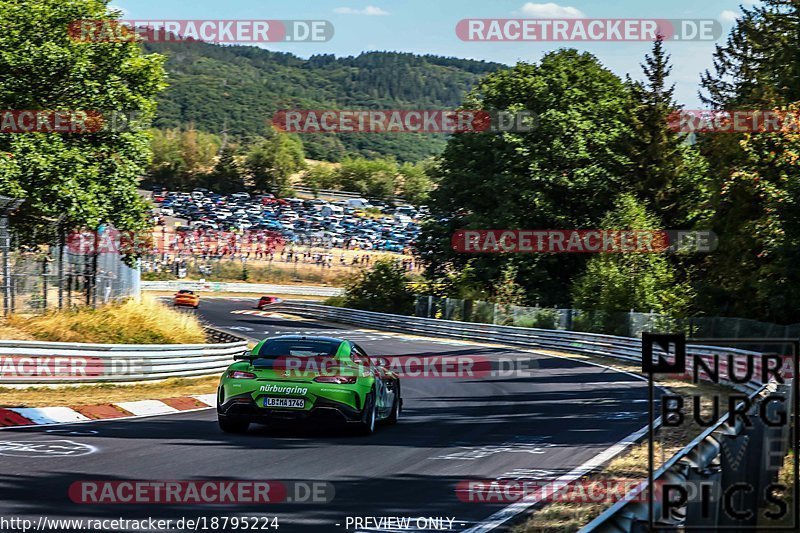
383, 288
335, 301
542, 319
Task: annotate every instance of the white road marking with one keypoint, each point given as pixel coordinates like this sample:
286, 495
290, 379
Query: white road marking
49, 415
51, 448
147, 407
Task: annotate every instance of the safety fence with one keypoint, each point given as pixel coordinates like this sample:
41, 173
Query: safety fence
624, 323
27, 363
60, 279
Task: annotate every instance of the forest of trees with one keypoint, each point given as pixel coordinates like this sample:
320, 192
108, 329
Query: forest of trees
185, 158
237, 89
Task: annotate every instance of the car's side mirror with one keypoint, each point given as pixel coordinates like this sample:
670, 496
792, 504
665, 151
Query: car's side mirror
244, 356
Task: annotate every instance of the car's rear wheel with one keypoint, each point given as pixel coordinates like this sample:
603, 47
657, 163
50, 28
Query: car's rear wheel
396, 407
368, 419
232, 425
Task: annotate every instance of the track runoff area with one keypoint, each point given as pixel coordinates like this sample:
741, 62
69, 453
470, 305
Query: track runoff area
495, 417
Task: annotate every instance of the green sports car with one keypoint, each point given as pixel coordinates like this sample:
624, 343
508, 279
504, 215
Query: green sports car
304, 379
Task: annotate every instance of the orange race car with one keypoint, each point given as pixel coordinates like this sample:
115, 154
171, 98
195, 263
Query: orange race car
186, 297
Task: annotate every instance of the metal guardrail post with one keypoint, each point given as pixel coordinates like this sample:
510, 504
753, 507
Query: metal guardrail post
704, 474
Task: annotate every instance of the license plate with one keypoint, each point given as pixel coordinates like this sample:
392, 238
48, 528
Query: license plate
290, 403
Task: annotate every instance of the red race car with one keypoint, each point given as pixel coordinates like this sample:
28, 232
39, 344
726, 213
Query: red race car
267, 300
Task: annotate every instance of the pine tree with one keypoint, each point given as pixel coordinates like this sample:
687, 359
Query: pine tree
758, 64
667, 174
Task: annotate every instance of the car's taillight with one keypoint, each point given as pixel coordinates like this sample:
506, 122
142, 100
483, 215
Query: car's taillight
238, 374
341, 380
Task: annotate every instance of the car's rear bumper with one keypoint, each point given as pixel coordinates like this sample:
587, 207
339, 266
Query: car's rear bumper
245, 408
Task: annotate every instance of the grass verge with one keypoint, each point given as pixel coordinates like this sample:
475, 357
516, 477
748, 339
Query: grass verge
144, 321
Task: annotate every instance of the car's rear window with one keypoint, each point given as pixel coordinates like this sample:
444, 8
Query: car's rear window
298, 348
185, 292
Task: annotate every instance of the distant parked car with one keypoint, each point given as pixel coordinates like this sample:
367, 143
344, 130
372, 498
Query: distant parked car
358, 203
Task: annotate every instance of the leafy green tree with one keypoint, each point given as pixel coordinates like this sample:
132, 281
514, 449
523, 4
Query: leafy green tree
321, 176
270, 162
382, 288
85, 178
619, 282
562, 174
753, 273
416, 184
508, 293
372, 177
226, 176
757, 65
182, 158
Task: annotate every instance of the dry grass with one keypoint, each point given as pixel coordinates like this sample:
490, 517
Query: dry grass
145, 321
10, 333
106, 393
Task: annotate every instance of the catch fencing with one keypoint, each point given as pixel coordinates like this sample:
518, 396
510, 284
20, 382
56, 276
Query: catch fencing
61, 273
625, 323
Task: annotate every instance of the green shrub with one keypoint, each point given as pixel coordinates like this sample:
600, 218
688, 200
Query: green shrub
335, 301
382, 288
541, 319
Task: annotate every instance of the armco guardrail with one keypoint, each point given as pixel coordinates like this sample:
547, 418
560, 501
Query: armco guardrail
724, 456
705, 459
624, 348
58, 363
265, 288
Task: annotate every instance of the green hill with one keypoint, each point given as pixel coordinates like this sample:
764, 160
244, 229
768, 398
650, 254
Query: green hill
239, 88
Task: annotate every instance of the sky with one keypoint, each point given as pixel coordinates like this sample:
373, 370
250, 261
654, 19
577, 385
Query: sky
428, 27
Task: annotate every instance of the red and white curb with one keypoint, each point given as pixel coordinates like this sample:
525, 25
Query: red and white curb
39, 416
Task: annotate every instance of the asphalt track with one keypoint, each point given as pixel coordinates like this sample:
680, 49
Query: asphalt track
540, 424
